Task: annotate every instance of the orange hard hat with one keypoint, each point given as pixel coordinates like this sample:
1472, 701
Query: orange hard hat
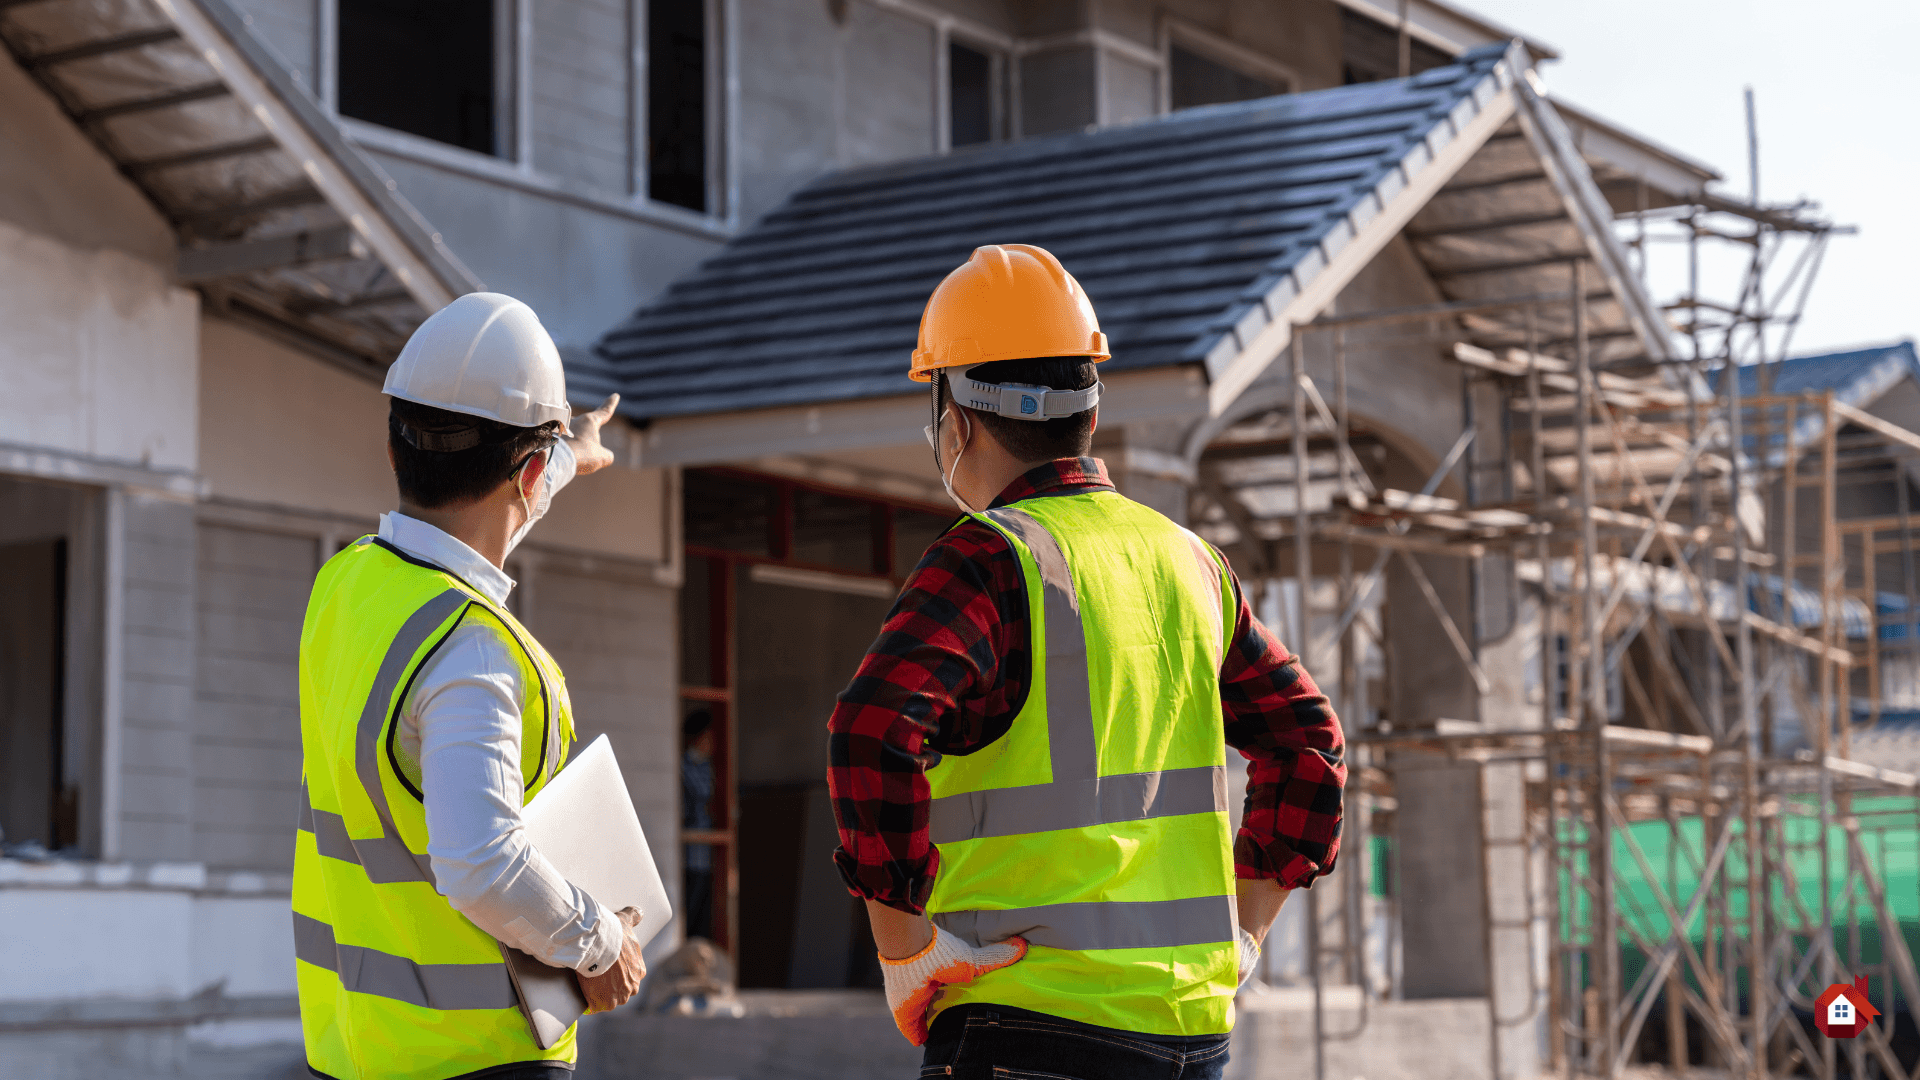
1007, 302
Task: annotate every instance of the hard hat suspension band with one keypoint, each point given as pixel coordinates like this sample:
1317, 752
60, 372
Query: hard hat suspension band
447, 440
1020, 401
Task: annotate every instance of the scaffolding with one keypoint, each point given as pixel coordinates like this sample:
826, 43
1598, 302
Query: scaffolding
1721, 603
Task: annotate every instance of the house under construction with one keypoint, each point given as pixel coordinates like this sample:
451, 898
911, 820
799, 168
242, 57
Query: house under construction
1613, 634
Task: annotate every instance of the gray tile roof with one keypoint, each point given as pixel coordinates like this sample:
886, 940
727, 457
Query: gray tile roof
1176, 227
1856, 376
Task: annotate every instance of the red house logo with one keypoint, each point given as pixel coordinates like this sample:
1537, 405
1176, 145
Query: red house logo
1842, 1011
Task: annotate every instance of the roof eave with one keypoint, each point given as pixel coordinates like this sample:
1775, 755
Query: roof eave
1241, 354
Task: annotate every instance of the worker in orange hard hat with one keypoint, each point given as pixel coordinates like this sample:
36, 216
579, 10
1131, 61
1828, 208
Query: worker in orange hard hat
1028, 769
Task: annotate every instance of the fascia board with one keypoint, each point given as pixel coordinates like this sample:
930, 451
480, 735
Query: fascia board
1169, 393
1588, 209
357, 188
1244, 352
1662, 168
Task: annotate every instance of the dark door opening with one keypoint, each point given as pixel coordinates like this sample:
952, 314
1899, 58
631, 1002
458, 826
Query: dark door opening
787, 585
37, 805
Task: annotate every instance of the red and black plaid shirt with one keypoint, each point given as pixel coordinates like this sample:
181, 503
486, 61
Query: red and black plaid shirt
949, 672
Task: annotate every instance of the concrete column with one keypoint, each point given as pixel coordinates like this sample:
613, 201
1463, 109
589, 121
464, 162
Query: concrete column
155, 624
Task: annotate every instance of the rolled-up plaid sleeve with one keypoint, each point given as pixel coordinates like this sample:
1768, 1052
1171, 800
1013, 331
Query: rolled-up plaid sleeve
934, 666
1281, 722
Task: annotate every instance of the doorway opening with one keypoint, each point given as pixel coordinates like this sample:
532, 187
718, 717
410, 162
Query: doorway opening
787, 584
45, 532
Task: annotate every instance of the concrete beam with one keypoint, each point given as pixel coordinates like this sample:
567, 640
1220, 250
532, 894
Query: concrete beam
303, 248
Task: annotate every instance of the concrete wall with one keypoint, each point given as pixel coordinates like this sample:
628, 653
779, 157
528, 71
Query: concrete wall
251, 598
281, 428
582, 117
613, 632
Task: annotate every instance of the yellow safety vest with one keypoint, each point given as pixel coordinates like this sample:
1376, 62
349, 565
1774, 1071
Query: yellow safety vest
1097, 827
393, 981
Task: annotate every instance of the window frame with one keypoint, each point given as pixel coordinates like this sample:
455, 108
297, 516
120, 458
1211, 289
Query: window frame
999, 88
515, 77
722, 103
1196, 39
512, 91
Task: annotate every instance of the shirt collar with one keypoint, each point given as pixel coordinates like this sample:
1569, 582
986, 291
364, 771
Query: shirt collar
430, 544
1061, 476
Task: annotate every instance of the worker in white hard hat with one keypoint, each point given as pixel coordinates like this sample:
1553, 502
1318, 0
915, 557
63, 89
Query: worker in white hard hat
429, 715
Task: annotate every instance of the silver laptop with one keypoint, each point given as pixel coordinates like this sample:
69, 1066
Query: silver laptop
583, 822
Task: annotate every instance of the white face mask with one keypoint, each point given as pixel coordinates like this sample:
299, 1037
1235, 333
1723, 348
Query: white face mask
535, 508
946, 475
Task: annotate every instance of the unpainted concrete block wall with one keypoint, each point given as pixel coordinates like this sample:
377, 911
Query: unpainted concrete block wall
613, 635
582, 92
817, 95
252, 597
157, 661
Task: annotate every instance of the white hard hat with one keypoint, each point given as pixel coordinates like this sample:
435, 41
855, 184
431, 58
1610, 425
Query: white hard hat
487, 355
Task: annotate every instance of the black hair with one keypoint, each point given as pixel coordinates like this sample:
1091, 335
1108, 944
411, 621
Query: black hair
1034, 441
695, 724
474, 456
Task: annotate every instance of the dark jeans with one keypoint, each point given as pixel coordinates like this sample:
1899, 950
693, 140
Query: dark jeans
995, 1042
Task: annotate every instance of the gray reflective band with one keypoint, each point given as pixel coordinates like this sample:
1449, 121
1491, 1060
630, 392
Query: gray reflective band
1210, 577
384, 858
1077, 804
1069, 701
373, 718
1152, 924
430, 986
1019, 402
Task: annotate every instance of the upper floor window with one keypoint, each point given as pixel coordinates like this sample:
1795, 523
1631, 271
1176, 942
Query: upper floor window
1194, 80
430, 68
677, 123
970, 96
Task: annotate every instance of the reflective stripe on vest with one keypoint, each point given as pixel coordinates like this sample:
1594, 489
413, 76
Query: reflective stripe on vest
1097, 826
430, 986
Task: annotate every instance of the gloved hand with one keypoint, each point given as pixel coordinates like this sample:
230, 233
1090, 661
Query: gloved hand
1249, 956
914, 981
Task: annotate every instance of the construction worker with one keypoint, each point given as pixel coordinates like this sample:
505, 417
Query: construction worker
1028, 769
429, 715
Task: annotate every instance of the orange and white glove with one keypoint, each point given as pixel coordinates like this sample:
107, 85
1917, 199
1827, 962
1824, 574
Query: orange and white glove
914, 981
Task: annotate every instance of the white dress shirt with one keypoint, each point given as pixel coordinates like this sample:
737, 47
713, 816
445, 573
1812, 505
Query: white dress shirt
461, 722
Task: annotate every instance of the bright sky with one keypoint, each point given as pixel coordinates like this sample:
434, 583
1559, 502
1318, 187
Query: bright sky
1839, 122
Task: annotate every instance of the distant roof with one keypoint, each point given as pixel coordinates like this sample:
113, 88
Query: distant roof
1174, 226
1856, 376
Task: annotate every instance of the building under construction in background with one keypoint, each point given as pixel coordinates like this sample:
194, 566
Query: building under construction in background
1440, 360
1704, 811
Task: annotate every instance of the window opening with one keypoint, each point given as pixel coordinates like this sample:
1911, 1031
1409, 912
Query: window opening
425, 67
969, 96
1370, 50
1196, 80
677, 102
